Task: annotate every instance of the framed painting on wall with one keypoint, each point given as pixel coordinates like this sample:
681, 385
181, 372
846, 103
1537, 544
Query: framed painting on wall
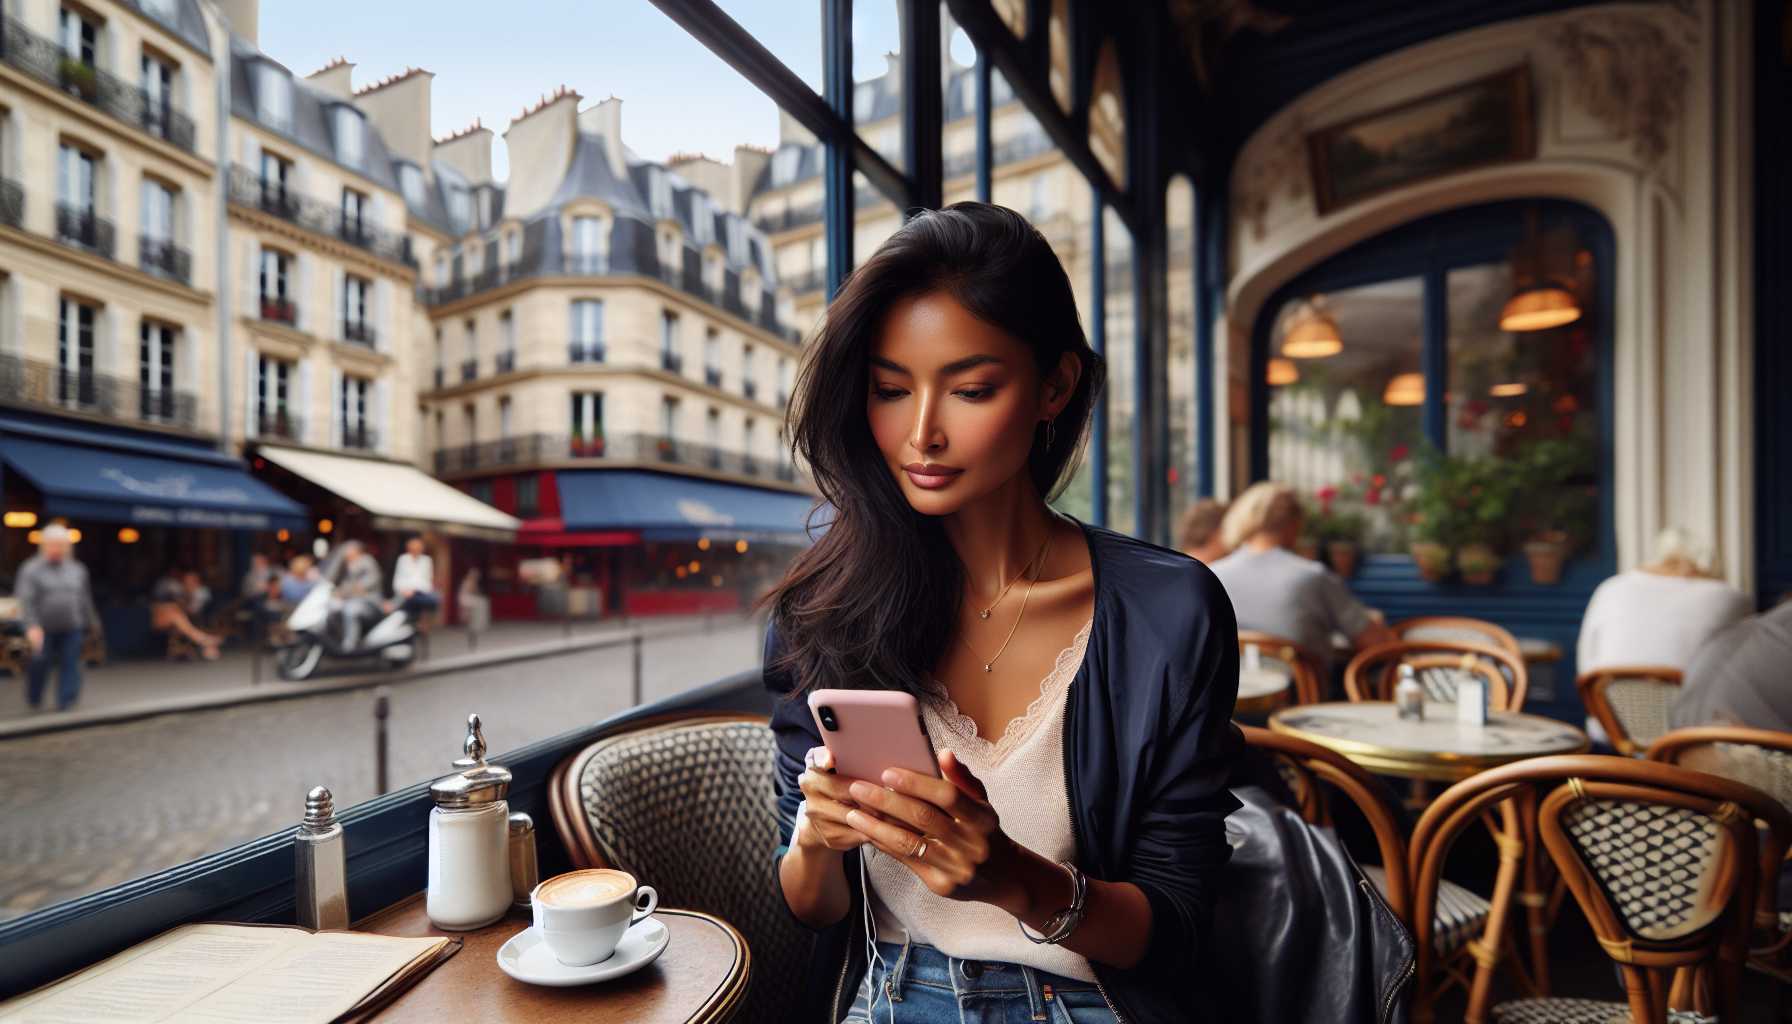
1487, 121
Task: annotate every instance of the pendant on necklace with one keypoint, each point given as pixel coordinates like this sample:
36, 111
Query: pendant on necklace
984, 614
986, 666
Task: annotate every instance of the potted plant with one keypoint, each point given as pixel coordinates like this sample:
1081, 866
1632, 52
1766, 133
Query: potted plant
1477, 562
1337, 528
78, 76
1482, 488
578, 443
1557, 504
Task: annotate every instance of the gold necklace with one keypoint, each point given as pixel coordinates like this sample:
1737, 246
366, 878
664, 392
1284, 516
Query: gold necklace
984, 614
989, 665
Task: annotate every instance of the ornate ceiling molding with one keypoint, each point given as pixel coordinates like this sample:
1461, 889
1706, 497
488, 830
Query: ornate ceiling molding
1631, 74
1277, 162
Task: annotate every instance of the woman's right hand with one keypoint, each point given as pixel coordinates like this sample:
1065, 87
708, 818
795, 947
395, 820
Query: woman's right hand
821, 818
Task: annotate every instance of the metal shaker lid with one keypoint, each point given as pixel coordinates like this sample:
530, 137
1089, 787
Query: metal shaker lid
475, 783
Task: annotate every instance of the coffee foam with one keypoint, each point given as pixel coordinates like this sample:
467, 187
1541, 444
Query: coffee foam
587, 888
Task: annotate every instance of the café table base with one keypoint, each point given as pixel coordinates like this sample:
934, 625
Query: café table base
700, 979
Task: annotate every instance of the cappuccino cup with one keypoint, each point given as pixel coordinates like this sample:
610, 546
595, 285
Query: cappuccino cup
582, 915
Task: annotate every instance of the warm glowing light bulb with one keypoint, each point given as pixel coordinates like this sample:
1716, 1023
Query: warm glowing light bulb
702, 543
740, 546
1405, 389
128, 535
22, 519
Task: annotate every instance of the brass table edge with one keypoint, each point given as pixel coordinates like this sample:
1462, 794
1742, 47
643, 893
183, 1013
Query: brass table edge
1415, 764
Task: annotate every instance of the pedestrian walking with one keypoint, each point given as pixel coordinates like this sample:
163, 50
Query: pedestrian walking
56, 604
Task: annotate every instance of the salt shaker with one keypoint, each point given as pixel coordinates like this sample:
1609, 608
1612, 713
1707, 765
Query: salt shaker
320, 871
469, 841
1409, 696
525, 870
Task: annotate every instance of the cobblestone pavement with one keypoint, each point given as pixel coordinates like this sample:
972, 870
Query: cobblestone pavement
90, 808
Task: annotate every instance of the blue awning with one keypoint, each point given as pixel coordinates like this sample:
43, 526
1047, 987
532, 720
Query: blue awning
670, 507
167, 489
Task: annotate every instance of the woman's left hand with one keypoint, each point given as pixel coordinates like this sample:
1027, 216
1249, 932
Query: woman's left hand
966, 855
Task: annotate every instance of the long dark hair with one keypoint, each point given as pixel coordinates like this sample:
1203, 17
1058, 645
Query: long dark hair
872, 604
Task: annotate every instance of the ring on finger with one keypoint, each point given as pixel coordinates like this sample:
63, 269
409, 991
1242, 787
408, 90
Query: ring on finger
920, 853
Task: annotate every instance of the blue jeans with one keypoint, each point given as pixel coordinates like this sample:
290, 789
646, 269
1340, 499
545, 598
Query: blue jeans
921, 985
62, 650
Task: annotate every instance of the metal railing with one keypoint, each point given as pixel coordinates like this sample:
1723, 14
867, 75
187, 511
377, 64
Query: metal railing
12, 203
46, 385
672, 361
162, 257
537, 449
712, 375
360, 332
441, 378
587, 264
361, 438
82, 228
812, 280
249, 188
279, 311
585, 351
46, 61
504, 362
280, 424
789, 217
749, 387
469, 370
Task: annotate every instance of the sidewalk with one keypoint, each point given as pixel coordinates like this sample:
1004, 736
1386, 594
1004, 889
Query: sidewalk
144, 686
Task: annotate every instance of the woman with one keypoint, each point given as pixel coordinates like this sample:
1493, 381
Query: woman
170, 600
1198, 536
1076, 683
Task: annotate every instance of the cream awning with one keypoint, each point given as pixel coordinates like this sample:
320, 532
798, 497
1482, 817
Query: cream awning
398, 496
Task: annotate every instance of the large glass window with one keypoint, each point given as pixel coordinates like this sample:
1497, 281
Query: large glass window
1182, 475
1122, 354
155, 369
587, 331
1421, 406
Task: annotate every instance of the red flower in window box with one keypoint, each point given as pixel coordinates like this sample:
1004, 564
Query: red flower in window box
1399, 453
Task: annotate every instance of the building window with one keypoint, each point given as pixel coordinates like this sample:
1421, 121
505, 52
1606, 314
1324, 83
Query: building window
713, 274
590, 246
273, 390
356, 321
506, 342
276, 290
712, 357
659, 189
351, 137
785, 164
469, 367
504, 418
75, 182
157, 83
703, 220
155, 370
273, 95
410, 182
79, 37
528, 495
470, 416
668, 418
352, 413
155, 247
460, 205
354, 212
513, 247
75, 383
712, 436
737, 241
587, 344
441, 365
275, 173
670, 359
587, 422
671, 255
441, 271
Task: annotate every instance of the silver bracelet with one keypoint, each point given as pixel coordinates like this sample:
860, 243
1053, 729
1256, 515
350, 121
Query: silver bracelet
1062, 923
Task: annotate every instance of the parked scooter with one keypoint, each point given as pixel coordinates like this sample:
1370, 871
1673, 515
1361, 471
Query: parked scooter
319, 628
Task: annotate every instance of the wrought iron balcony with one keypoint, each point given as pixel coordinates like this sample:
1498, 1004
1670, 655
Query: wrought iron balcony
441, 378
82, 228
47, 385
360, 437
672, 361
504, 362
469, 370
281, 424
789, 217
588, 264
12, 203
249, 188
46, 61
749, 387
585, 351
541, 449
811, 280
162, 257
278, 310
712, 375
360, 332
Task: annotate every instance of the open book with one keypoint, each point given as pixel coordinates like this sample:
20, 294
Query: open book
266, 974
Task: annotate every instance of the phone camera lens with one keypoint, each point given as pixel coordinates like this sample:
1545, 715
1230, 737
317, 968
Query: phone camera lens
828, 721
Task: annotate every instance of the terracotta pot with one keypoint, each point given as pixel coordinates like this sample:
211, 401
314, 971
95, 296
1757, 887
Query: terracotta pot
1478, 563
1546, 558
1307, 547
1432, 559
1343, 556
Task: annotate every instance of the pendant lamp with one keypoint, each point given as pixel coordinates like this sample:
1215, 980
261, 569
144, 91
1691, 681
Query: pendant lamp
1542, 281
1282, 372
1313, 335
1405, 389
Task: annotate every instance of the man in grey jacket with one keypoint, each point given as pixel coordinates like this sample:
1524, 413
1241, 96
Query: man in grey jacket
57, 607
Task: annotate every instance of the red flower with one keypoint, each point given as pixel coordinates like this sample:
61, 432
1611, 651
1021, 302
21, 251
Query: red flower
1399, 453
1379, 481
1327, 493
1372, 497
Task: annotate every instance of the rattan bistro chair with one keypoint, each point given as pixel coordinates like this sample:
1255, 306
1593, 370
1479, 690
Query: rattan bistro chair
1280, 653
685, 804
1663, 861
1441, 666
1631, 703
1459, 629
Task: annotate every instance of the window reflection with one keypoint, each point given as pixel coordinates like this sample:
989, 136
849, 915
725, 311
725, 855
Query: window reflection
1122, 356
1179, 214
878, 93
1058, 33
1107, 116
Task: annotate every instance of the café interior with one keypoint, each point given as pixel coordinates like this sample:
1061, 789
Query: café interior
1499, 287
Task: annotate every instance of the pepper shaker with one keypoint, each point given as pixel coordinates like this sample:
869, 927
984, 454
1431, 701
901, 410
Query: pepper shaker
525, 870
320, 871
469, 840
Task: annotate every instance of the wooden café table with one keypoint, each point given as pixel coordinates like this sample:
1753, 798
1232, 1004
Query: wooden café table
1438, 749
1261, 690
701, 978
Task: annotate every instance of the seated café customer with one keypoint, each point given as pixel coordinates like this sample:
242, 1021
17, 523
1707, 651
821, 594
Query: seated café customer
1199, 535
1742, 675
414, 579
1276, 591
296, 581
168, 612
1077, 683
1660, 613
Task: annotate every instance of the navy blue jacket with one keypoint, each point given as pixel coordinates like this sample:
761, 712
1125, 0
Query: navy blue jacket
1148, 744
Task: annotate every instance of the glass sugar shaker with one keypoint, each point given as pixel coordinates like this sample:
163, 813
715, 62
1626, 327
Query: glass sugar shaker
1409, 696
469, 840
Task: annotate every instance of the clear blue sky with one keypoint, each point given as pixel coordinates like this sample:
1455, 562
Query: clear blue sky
492, 59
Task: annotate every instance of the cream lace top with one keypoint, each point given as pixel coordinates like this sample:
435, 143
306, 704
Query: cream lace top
1024, 772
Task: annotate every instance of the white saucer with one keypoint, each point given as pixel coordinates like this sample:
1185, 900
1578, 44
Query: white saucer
526, 957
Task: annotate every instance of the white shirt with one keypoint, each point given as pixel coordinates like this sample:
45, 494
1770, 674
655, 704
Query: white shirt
414, 572
1639, 618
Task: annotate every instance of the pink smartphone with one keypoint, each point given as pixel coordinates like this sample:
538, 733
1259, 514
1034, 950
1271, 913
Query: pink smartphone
871, 730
